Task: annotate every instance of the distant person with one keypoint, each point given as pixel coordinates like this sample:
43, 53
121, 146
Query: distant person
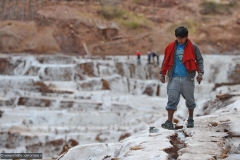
149, 53
182, 59
138, 54
157, 57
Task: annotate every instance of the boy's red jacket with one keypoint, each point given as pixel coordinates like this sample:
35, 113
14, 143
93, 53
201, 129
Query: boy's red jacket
189, 59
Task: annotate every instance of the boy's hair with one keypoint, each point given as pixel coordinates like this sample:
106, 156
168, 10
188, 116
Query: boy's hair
181, 32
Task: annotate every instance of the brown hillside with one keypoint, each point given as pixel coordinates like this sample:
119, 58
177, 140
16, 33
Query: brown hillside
102, 28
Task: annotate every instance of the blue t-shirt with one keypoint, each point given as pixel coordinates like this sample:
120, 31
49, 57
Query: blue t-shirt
179, 67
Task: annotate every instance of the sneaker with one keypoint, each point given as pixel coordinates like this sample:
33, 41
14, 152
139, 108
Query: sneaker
190, 123
153, 130
168, 125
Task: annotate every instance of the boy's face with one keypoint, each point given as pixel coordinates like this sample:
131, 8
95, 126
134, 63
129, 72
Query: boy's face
182, 41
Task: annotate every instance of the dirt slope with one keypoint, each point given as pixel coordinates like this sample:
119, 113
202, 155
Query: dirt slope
79, 27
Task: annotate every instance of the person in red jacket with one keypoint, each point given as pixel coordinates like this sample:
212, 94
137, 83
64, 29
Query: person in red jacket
138, 54
182, 59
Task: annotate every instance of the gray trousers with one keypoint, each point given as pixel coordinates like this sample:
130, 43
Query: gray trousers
180, 86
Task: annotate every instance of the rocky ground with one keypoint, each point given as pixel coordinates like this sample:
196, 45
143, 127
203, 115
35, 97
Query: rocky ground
213, 137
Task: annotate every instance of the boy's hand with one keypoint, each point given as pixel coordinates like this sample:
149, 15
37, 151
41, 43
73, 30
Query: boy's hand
199, 78
162, 78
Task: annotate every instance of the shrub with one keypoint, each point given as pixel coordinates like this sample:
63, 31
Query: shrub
112, 12
211, 7
135, 21
124, 17
141, 2
132, 24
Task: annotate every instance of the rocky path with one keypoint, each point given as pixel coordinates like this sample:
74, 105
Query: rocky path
213, 137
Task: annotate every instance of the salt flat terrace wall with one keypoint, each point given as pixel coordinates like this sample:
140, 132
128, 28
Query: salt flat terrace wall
45, 73
118, 74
